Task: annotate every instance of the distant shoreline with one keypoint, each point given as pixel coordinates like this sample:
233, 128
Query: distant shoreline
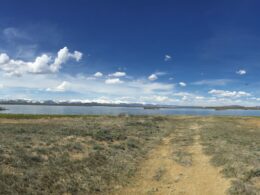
217, 108
2, 109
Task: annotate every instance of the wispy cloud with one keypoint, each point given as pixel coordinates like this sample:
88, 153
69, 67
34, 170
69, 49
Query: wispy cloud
213, 82
232, 94
117, 74
159, 73
167, 58
156, 99
12, 34
155, 75
64, 86
25, 43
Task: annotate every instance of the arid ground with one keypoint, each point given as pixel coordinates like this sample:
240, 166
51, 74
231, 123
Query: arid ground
129, 155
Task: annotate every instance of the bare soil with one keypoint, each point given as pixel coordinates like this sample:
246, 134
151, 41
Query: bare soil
160, 174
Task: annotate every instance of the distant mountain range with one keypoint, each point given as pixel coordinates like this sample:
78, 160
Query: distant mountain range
145, 106
65, 103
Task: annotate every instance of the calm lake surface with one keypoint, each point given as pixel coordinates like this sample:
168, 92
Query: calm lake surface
99, 110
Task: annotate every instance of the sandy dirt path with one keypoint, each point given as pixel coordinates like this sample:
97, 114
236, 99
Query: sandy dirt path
160, 174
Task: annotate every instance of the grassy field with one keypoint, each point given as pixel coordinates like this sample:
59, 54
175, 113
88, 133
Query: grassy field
99, 154
234, 144
47, 155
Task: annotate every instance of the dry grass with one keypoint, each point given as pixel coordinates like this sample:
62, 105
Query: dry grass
73, 155
98, 154
183, 139
235, 146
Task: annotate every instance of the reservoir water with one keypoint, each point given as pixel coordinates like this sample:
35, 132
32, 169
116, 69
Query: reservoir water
107, 110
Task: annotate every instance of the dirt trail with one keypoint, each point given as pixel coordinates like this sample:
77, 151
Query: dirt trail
160, 174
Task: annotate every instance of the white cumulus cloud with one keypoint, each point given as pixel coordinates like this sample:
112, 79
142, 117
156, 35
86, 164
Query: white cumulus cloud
113, 81
63, 56
182, 84
153, 77
98, 74
241, 72
41, 65
4, 58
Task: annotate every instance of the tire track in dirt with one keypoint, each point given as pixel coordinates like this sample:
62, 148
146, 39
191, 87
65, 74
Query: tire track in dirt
160, 174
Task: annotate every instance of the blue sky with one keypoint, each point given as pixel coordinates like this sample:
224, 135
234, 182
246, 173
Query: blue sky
162, 52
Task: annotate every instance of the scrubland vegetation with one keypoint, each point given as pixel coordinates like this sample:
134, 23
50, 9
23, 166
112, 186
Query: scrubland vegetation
76, 155
99, 154
234, 144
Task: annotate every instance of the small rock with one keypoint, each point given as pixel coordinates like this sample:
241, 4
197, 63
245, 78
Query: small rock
177, 179
117, 187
